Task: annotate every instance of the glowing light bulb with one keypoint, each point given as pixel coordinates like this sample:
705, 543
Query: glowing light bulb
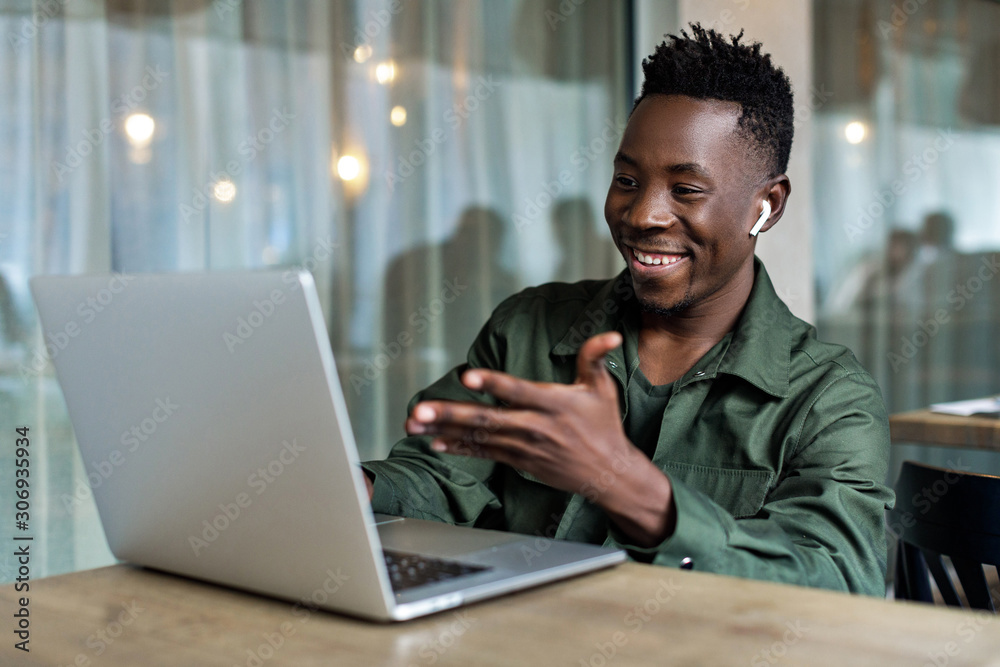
855, 132
362, 53
139, 128
348, 167
398, 116
224, 191
385, 72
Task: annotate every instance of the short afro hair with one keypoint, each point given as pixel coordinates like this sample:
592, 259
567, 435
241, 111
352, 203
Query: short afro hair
705, 65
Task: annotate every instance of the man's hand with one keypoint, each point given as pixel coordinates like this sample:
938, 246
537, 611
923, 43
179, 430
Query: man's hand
567, 436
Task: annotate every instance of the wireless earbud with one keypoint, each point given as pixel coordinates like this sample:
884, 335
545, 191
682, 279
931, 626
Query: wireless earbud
764, 215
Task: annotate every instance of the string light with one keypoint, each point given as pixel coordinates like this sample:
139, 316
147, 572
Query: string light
348, 167
139, 128
385, 72
224, 191
398, 116
855, 132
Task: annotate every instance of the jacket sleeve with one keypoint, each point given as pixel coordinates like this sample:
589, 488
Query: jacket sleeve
821, 525
415, 481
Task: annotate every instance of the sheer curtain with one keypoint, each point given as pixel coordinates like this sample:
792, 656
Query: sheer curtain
422, 159
908, 158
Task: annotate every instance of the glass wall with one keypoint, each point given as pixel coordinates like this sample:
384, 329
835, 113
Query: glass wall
907, 163
422, 159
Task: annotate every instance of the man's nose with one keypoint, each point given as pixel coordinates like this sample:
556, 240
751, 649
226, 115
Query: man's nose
649, 208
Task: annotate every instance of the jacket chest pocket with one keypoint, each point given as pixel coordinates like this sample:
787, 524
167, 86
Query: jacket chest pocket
739, 492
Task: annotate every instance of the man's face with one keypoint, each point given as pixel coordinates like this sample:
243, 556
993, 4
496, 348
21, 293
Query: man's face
681, 203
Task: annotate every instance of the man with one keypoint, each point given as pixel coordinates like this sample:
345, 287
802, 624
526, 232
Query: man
678, 411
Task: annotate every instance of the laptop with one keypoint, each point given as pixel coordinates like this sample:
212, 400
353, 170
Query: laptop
215, 437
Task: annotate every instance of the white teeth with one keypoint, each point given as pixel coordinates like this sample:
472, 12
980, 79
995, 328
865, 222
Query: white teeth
653, 261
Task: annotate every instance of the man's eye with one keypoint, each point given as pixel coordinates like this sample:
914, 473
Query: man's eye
625, 181
683, 191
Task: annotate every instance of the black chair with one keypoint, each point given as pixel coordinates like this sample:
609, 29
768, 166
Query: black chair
939, 513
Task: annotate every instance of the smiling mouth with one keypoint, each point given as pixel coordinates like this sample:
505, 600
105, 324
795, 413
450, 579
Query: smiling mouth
656, 259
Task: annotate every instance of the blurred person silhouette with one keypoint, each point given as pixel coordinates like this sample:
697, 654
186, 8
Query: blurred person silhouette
937, 236
436, 298
586, 253
925, 284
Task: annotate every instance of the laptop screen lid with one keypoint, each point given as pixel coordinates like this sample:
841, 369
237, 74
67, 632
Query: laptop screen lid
213, 432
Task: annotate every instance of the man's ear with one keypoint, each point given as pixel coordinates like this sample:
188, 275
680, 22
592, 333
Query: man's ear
776, 192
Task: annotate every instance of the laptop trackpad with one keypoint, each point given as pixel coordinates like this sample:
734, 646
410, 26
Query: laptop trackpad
439, 539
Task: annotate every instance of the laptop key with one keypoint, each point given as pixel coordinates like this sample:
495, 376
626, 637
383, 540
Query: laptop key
408, 570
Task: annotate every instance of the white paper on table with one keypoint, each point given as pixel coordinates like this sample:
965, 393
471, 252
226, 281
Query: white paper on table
989, 405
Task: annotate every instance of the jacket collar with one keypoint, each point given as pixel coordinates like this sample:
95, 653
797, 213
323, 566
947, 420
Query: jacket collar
759, 350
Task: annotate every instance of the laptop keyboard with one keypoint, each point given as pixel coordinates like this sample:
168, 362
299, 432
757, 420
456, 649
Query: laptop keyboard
412, 570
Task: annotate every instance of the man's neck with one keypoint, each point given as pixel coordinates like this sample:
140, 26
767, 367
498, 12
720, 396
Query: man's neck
670, 345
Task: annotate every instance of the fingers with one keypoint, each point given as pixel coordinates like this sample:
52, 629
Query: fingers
476, 430
458, 420
495, 447
590, 368
513, 391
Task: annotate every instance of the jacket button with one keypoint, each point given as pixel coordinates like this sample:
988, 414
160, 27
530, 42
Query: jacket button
687, 564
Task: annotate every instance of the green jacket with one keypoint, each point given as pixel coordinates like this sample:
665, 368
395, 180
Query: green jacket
776, 444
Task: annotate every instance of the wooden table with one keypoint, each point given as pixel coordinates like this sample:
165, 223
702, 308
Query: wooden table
630, 615
931, 428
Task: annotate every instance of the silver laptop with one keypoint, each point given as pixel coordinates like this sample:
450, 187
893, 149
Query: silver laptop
216, 440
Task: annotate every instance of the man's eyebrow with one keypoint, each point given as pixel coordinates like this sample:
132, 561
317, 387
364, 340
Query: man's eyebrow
692, 168
689, 168
627, 159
